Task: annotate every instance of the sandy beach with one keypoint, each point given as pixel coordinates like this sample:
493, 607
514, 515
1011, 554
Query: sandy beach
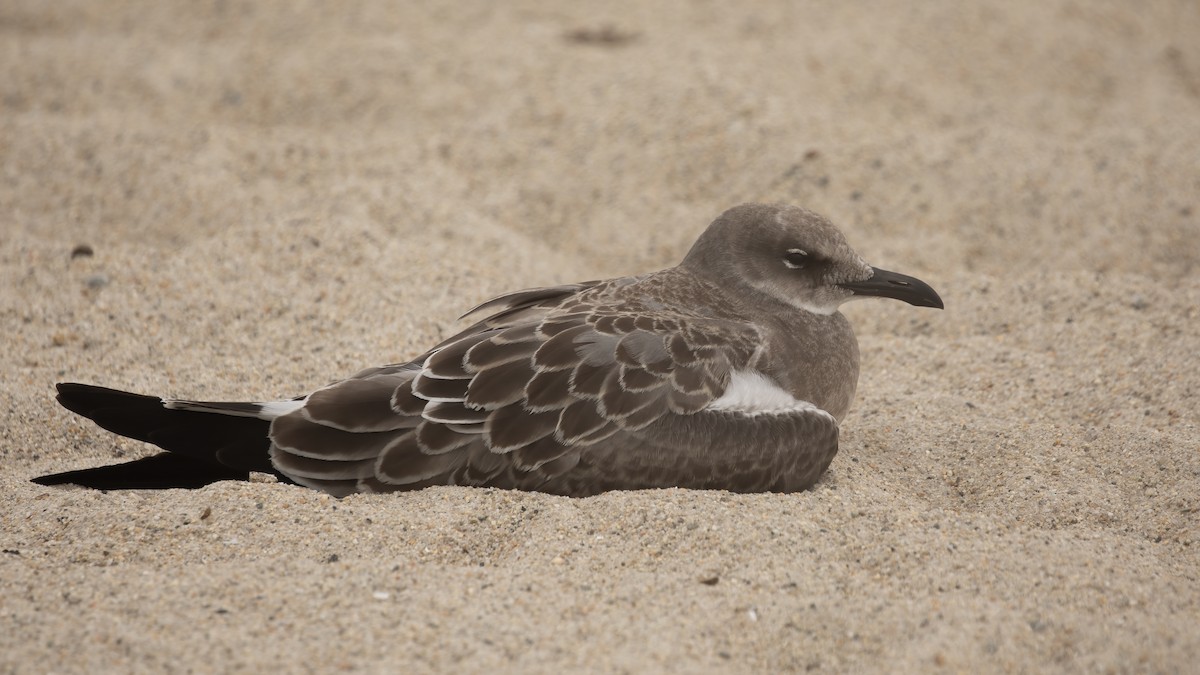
249, 200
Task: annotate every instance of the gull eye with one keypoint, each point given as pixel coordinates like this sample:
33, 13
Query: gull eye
795, 258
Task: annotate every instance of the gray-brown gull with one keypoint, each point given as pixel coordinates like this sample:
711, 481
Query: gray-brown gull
729, 371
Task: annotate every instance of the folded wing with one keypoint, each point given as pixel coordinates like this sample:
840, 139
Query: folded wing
516, 400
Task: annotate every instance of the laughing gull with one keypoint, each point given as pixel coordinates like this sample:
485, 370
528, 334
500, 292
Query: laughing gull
730, 371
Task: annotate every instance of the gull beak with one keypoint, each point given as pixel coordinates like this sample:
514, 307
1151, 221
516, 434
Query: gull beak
885, 284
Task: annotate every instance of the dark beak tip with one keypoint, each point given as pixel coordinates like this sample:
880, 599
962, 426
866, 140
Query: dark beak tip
897, 286
928, 299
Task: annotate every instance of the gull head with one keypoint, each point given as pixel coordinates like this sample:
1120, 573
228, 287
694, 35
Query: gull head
795, 256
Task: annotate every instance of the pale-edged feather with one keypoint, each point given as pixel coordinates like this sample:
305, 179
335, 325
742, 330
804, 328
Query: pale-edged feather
654, 324
499, 385
640, 348
681, 350
481, 468
298, 435
295, 466
408, 368
453, 412
492, 353
615, 323
617, 403
559, 352
646, 415
558, 322
596, 349
405, 402
533, 456
597, 435
449, 362
435, 438
637, 379
579, 421
438, 389
588, 381
359, 405
513, 426
682, 403
500, 305
519, 332
561, 464
403, 462
549, 390
690, 379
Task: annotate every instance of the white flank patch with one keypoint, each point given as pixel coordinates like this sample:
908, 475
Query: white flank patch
753, 393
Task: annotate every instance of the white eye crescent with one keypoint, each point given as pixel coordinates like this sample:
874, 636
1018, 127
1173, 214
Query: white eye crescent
795, 258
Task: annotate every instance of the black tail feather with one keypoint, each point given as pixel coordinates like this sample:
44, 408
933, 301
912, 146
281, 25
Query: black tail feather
201, 447
157, 472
